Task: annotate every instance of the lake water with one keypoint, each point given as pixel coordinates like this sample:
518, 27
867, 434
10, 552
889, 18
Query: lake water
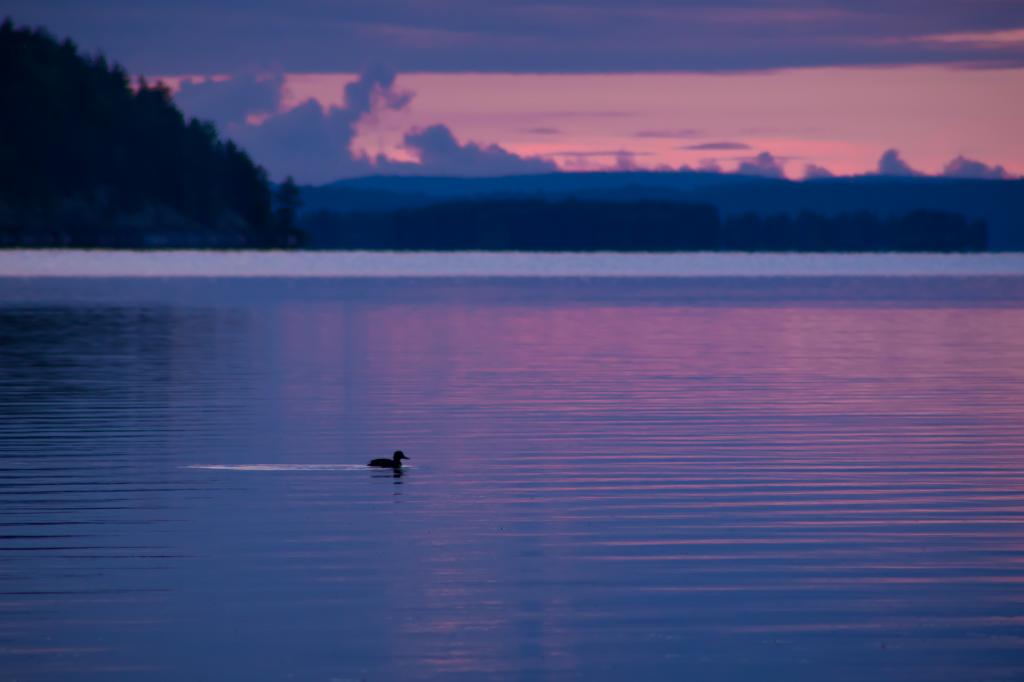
716, 478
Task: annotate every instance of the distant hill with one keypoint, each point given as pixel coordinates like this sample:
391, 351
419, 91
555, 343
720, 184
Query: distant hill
387, 193
87, 160
999, 203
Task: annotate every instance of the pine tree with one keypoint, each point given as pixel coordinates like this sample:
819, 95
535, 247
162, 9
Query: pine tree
288, 203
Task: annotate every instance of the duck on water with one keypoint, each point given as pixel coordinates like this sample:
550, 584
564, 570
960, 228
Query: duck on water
394, 463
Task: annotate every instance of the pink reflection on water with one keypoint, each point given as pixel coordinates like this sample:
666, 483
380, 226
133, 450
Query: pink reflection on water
579, 436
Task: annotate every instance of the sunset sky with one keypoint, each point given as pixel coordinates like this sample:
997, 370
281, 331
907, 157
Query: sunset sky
480, 88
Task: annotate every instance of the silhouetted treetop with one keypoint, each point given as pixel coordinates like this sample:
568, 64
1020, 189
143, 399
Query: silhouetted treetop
288, 203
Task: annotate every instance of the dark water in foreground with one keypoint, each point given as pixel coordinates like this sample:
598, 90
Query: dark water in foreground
759, 479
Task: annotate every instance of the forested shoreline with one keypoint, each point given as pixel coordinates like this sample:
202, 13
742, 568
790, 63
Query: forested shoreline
570, 225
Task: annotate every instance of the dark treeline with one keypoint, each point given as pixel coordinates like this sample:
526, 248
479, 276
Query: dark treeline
522, 224
538, 225
88, 160
936, 231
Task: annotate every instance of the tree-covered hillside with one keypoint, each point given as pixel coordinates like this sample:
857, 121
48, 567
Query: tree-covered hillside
88, 160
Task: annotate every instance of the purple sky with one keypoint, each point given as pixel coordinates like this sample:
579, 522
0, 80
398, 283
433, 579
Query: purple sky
474, 87
576, 36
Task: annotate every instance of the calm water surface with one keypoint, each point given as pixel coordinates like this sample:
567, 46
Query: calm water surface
717, 479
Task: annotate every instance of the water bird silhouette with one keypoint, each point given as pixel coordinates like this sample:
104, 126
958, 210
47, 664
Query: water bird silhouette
394, 463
